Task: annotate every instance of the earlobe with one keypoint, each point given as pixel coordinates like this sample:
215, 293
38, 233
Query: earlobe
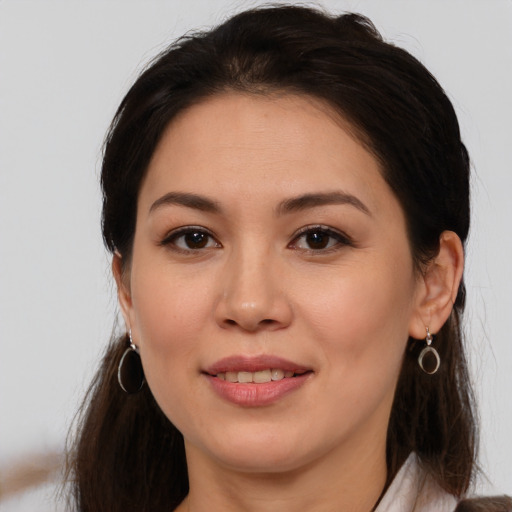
123, 289
439, 286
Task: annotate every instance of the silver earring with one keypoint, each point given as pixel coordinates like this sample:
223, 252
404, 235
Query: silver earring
130, 374
429, 359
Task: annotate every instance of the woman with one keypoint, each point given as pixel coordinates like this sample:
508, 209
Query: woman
286, 199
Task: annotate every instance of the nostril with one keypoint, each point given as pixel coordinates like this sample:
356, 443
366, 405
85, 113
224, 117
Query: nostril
245, 325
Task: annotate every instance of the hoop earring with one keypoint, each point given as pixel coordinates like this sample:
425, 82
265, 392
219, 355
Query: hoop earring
429, 360
130, 373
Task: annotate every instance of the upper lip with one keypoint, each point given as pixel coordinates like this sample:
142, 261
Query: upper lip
240, 363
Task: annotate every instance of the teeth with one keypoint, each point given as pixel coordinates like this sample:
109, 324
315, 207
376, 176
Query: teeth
263, 376
232, 376
260, 377
277, 374
245, 377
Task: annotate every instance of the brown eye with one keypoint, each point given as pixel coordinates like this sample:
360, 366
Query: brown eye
196, 240
318, 239
190, 239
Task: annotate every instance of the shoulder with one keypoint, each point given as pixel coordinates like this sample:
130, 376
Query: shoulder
487, 504
413, 489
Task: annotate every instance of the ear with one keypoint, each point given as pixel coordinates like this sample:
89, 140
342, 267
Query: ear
123, 289
438, 287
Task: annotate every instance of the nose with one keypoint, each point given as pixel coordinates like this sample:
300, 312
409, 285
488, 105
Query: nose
252, 295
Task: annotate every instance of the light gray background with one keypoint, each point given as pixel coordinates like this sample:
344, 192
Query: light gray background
64, 67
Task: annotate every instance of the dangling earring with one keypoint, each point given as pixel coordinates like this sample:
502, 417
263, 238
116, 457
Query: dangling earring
429, 359
130, 373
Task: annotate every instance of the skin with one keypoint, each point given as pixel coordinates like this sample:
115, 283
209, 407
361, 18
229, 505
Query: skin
254, 285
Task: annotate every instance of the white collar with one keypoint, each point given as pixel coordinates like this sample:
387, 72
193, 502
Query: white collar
412, 490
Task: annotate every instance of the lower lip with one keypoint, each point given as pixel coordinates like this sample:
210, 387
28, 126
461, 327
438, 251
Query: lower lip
256, 395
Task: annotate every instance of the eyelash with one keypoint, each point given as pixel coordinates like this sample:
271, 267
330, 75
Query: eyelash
171, 239
341, 239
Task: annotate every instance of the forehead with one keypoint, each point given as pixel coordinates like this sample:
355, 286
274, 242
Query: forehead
250, 144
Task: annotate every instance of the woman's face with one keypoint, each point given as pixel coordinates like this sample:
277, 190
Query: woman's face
271, 288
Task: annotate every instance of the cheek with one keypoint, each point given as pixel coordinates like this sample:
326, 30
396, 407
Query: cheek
168, 303
362, 332
362, 318
171, 317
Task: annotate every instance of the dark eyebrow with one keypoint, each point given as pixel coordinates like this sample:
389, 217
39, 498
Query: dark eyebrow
305, 201
194, 201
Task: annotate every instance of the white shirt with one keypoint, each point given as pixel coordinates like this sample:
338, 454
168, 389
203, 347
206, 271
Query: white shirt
412, 490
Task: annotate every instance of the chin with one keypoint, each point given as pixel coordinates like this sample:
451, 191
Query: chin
272, 452
255, 461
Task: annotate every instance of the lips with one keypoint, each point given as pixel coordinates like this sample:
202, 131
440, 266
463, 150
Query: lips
256, 381
254, 364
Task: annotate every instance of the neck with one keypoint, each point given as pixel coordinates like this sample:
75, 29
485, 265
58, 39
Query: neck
351, 480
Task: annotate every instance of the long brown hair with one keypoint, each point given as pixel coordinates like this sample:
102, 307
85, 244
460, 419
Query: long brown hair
127, 455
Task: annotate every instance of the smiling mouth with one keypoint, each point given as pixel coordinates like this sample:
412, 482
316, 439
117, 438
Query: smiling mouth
259, 377
256, 381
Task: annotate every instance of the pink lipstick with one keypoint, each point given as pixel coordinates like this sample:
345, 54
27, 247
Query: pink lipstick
255, 381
